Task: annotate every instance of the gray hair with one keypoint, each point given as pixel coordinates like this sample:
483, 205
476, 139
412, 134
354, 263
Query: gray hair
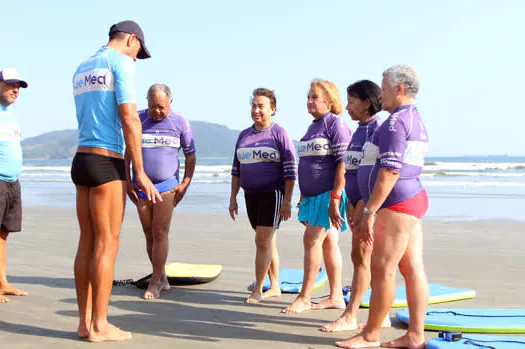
405, 75
159, 88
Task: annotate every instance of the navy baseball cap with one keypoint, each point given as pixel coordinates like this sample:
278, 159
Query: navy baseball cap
11, 76
131, 27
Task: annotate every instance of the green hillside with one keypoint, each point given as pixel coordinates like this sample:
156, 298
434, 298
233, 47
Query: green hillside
211, 140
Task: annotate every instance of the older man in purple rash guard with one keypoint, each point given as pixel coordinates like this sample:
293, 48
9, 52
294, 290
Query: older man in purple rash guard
264, 165
395, 202
164, 133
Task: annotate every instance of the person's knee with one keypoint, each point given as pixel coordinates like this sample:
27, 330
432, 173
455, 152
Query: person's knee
3, 235
310, 242
263, 241
160, 234
108, 242
360, 259
382, 271
411, 269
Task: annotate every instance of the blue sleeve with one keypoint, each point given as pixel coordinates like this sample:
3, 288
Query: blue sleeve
123, 68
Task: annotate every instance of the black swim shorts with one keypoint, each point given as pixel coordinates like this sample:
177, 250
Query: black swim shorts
263, 208
10, 207
92, 170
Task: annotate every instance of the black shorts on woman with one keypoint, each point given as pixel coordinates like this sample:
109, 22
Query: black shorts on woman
264, 208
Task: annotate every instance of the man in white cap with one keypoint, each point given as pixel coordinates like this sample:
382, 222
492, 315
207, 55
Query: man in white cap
10, 170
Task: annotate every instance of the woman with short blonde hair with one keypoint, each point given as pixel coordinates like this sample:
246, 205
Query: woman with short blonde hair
322, 208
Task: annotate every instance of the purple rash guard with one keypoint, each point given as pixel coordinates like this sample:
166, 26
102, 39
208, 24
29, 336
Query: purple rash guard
354, 154
264, 159
400, 144
321, 149
161, 141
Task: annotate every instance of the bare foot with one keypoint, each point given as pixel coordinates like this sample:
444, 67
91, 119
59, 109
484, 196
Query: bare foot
12, 291
165, 284
151, 293
344, 323
298, 306
386, 323
109, 333
272, 292
330, 304
409, 341
154, 290
358, 341
83, 331
255, 297
3, 299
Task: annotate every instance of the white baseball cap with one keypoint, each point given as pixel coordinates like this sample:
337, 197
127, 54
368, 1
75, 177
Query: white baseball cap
11, 76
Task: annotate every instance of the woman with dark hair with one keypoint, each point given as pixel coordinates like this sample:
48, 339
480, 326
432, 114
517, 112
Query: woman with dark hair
364, 102
264, 165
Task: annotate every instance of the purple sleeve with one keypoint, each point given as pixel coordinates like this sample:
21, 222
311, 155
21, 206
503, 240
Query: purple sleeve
236, 166
288, 157
186, 138
340, 138
392, 145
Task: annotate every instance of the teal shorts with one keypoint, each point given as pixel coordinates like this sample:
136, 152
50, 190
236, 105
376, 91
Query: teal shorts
314, 210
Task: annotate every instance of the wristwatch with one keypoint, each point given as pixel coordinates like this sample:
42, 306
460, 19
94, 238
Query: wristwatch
366, 210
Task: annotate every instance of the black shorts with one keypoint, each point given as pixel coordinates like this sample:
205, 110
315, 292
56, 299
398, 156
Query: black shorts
10, 207
263, 208
92, 170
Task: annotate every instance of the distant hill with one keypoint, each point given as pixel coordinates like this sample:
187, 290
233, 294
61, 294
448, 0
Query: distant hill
211, 140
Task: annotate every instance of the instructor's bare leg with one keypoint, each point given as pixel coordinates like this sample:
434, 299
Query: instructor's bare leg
263, 258
107, 211
5, 287
83, 261
160, 227
273, 272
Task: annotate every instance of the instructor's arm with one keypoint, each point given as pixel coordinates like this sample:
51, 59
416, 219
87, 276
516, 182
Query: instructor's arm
130, 186
133, 137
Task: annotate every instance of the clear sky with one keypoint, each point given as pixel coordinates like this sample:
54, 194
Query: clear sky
470, 55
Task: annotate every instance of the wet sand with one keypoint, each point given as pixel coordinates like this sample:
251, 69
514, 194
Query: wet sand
485, 255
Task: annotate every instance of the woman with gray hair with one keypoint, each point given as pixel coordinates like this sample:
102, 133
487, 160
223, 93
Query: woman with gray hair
388, 179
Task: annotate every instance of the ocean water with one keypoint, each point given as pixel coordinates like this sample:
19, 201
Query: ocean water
459, 188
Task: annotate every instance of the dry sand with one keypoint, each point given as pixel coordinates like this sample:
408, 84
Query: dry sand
485, 255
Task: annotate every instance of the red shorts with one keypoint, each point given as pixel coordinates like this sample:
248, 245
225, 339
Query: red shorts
416, 206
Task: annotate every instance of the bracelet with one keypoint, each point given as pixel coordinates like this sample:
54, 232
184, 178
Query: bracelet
335, 196
366, 210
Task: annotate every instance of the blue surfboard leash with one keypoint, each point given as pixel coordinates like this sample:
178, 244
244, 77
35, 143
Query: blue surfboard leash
477, 342
469, 315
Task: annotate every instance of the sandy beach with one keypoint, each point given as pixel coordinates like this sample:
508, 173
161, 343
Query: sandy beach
485, 255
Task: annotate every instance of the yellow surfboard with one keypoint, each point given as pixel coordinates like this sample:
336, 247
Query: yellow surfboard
191, 274
180, 274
